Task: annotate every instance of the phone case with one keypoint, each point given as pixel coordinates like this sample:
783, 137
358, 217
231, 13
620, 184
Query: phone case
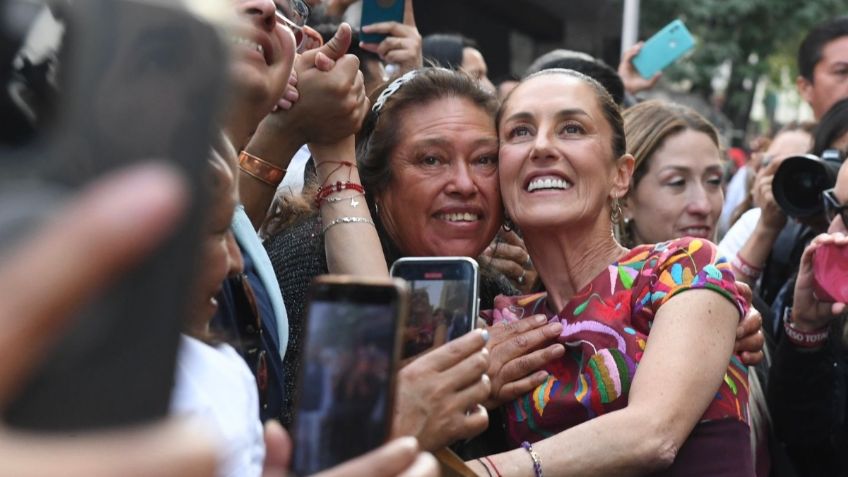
377, 11
663, 49
150, 88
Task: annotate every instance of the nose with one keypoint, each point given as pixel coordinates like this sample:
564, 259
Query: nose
235, 262
698, 202
462, 180
837, 225
262, 12
543, 147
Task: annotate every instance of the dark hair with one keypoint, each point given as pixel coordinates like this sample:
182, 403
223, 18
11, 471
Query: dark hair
379, 135
810, 51
445, 49
648, 124
831, 127
582, 63
612, 113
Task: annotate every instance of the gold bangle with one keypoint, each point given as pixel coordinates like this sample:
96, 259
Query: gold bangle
262, 170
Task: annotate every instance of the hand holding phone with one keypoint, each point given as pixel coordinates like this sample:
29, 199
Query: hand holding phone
345, 393
444, 303
663, 49
830, 268
395, 19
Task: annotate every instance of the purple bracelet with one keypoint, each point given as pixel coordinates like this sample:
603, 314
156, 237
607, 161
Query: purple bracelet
537, 463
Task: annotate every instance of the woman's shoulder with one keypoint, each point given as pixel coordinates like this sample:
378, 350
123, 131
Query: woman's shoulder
697, 252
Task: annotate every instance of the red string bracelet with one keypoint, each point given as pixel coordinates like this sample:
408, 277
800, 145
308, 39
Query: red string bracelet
327, 190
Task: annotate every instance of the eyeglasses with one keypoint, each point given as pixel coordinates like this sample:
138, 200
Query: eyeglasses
250, 331
832, 207
293, 14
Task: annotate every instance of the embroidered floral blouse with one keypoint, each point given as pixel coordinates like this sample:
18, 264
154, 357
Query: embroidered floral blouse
605, 328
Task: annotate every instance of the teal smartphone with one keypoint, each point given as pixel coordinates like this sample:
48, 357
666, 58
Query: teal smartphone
376, 11
663, 49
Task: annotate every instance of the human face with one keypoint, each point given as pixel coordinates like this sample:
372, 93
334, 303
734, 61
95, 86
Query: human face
474, 64
264, 51
680, 194
841, 193
443, 198
830, 78
220, 253
556, 159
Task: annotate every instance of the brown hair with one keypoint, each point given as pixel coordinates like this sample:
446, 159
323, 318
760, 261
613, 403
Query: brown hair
647, 125
379, 135
611, 111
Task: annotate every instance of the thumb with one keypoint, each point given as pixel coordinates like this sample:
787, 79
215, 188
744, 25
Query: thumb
338, 44
323, 62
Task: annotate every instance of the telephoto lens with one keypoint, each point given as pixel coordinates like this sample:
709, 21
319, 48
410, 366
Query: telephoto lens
800, 181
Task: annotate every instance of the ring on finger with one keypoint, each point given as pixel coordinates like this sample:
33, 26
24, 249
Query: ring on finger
522, 277
528, 264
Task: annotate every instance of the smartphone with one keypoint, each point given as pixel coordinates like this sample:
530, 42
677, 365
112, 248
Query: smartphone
663, 49
137, 80
377, 11
345, 392
444, 302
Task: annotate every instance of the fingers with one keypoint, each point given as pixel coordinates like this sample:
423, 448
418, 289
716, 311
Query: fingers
450, 354
174, 449
515, 389
387, 461
278, 448
508, 267
523, 366
475, 422
629, 53
745, 291
512, 238
468, 372
751, 359
751, 343
109, 226
339, 44
408, 13
504, 331
524, 343
425, 465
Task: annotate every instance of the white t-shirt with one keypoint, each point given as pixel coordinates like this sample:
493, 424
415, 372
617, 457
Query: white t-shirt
739, 233
214, 385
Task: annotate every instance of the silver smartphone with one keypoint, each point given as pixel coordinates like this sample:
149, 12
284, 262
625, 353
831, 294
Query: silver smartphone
444, 301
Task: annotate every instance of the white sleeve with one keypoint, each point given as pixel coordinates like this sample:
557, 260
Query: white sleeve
739, 233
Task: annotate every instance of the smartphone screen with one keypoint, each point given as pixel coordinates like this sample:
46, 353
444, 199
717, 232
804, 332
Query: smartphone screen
443, 300
377, 11
346, 380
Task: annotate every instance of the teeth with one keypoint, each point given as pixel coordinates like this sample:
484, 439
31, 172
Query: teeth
548, 183
459, 217
250, 44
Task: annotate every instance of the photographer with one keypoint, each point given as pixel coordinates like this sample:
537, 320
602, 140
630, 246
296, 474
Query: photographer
808, 378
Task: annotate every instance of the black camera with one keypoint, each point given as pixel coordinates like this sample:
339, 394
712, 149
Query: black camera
800, 181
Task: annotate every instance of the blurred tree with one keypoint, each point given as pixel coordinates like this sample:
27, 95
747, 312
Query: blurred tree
754, 38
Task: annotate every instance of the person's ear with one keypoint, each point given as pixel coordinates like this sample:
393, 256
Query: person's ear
805, 88
622, 175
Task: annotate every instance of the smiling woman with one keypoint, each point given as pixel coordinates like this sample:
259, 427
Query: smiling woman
626, 397
676, 187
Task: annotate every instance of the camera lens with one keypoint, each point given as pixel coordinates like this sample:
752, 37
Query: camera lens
799, 182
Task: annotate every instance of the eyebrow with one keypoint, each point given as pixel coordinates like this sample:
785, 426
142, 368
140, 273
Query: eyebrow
563, 113
713, 168
442, 142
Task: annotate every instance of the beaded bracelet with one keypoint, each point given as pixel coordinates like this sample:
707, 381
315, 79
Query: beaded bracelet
803, 339
329, 189
348, 220
537, 463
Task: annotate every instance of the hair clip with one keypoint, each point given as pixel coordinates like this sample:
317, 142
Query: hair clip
391, 89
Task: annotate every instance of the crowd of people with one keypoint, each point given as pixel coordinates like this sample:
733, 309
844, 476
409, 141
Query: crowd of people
590, 212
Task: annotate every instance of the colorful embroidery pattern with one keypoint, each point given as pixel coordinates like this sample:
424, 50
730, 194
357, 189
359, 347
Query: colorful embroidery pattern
605, 328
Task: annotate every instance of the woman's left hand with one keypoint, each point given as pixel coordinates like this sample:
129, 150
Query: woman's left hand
749, 333
402, 45
508, 255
